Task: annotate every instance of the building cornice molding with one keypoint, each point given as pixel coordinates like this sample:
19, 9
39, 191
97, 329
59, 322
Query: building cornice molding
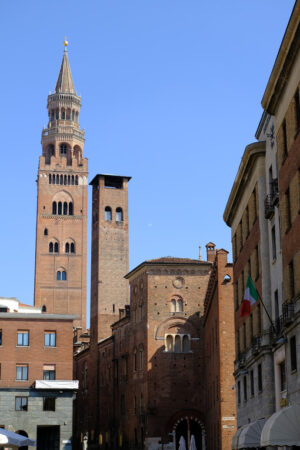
251, 154
285, 59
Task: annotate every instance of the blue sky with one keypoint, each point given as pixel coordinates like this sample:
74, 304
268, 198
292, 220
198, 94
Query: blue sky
171, 93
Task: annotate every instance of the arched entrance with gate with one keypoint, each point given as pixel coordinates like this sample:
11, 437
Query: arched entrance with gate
188, 424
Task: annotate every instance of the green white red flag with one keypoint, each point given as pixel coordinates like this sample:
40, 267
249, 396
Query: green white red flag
250, 297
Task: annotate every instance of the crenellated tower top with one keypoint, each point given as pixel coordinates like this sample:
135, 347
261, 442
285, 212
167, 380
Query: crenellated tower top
63, 137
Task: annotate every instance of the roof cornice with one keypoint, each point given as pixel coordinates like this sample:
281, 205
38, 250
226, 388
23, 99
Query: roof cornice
251, 154
285, 59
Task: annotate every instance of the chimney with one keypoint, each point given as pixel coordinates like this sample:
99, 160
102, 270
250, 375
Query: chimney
199, 252
210, 252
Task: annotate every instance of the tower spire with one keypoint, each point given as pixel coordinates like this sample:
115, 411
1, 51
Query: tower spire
64, 81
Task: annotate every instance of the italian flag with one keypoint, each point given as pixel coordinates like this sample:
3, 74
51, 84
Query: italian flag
250, 297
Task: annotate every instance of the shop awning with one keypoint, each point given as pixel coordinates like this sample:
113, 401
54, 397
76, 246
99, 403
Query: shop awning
235, 439
57, 384
282, 428
251, 434
14, 440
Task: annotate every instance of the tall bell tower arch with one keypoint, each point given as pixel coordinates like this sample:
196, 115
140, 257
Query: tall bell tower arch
61, 226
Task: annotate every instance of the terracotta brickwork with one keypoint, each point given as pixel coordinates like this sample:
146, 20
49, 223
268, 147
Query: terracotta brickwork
61, 231
110, 258
219, 347
147, 383
36, 354
288, 138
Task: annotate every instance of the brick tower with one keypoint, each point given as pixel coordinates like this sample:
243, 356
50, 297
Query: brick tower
61, 230
110, 261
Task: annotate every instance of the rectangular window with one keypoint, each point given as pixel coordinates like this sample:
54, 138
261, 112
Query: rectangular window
251, 326
284, 137
273, 242
297, 110
236, 295
293, 353
245, 388
252, 383
244, 336
50, 339
249, 268
282, 376
22, 338
291, 280
276, 304
123, 405
259, 377
49, 372
22, 372
256, 263
49, 404
21, 403
254, 205
258, 319
247, 221
287, 210
0, 337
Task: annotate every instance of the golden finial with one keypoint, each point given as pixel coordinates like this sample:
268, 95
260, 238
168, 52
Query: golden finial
66, 42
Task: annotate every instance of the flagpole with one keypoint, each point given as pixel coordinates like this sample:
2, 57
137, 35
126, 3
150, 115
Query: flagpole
266, 312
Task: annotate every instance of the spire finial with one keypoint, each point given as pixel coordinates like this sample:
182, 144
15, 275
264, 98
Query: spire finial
66, 43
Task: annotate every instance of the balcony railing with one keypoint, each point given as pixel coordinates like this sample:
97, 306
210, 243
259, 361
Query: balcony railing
272, 199
283, 321
269, 207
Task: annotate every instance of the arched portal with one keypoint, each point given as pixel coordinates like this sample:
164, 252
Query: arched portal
22, 433
188, 426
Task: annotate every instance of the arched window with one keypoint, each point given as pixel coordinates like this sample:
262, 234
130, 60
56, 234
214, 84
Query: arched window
59, 208
69, 180
185, 343
72, 247
65, 208
177, 347
50, 179
173, 305
63, 149
119, 215
179, 305
44, 309
108, 214
56, 247
61, 275
169, 343
63, 114
70, 209
134, 360
176, 305
53, 179
61, 179
54, 208
141, 352
46, 232
67, 248
65, 180
57, 179
76, 180
56, 114
50, 247
72, 179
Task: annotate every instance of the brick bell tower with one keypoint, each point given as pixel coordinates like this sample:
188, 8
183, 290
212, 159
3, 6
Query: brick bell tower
61, 229
110, 258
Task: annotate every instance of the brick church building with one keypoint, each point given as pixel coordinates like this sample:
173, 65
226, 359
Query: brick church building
157, 361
